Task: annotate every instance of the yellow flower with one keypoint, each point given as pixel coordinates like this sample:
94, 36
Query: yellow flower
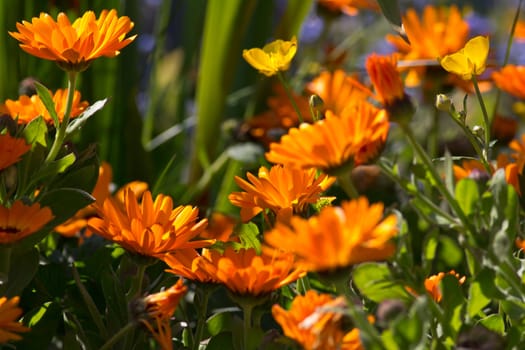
9, 313
273, 57
338, 237
470, 60
282, 189
310, 321
74, 45
21, 220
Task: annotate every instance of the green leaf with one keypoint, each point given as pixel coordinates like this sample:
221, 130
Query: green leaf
64, 203
24, 266
449, 251
79, 121
221, 341
249, 235
453, 303
390, 9
375, 281
477, 299
35, 132
47, 100
53, 168
44, 322
494, 323
467, 195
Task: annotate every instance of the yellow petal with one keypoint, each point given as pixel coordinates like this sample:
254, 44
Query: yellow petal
259, 60
477, 50
458, 63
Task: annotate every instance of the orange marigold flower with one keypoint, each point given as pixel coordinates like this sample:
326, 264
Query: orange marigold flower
244, 272
432, 284
151, 228
12, 149
184, 262
270, 125
220, 227
338, 90
21, 220
352, 341
27, 108
471, 168
349, 7
338, 236
74, 45
439, 32
386, 79
157, 311
311, 321
9, 314
282, 189
511, 79
101, 191
336, 142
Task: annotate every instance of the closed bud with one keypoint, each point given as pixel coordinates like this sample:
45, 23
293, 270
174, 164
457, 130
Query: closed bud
443, 103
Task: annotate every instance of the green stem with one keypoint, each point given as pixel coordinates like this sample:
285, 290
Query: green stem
304, 284
136, 287
115, 338
201, 318
418, 194
247, 322
486, 121
5, 265
472, 139
90, 304
433, 138
437, 179
290, 96
345, 181
61, 132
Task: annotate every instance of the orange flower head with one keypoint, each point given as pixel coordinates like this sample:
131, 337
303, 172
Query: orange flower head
27, 108
220, 227
386, 79
74, 45
337, 237
185, 263
244, 272
12, 149
338, 90
101, 191
311, 321
9, 314
349, 7
511, 79
334, 143
470, 168
438, 32
21, 220
352, 341
432, 284
158, 309
282, 189
150, 228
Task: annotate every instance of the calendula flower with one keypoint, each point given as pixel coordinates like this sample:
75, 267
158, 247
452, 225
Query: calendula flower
101, 191
334, 143
27, 108
185, 263
156, 310
74, 45
311, 320
432, 284
511, 79
352, 341
273, 57
386, 79
470, 168
438, 32
338, 236
268, 126
9, 315
244, 272
349, 7
282, 189
150, 228
468, 61
20, 220
12, 149
338, 90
